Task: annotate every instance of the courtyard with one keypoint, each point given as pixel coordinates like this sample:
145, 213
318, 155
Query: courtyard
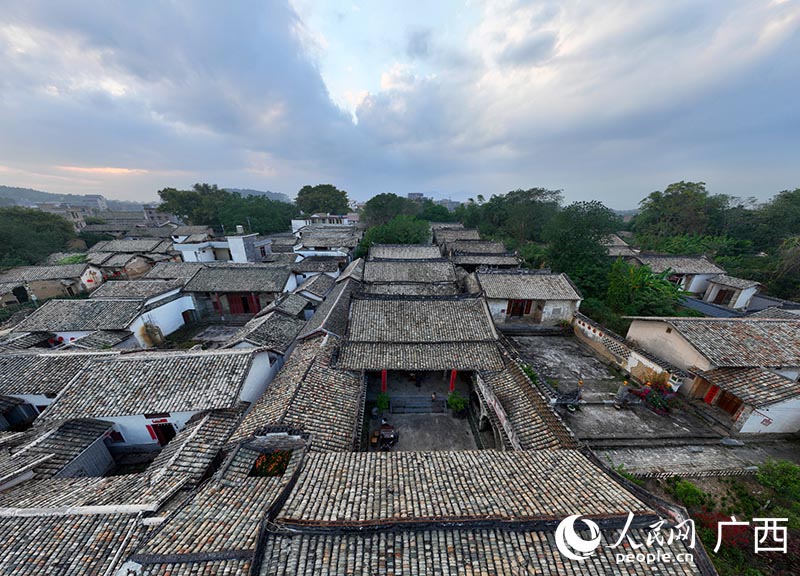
561, 361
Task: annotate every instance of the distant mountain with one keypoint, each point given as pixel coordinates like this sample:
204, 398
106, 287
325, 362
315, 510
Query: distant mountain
11, 195
269, 194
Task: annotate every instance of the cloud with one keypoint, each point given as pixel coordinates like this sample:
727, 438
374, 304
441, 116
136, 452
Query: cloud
419, 43
606, 100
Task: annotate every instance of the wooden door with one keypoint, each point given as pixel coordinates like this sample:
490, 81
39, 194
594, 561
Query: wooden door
709, 398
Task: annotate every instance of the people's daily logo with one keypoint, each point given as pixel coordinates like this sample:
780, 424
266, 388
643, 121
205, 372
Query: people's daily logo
571, 544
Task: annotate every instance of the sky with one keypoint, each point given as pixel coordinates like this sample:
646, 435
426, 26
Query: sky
603, 100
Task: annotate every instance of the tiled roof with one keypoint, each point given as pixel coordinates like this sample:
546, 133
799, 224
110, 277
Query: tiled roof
135, 288
403, 252
319, 285
80, 315
140, 383
742, 342
309, 395
420, 356
404, 320
120, 260
534, 422
413, 289
192, 451
101, 339
189, 230
623, 251
290, 303
170, 270
418, 271
526, 286
452, 552
613, 240
34, 273
485, 260
378, 488
446, 226
777, 313
354, 270
420, 334
679, 264
332, 314
46, 452
8, 287
133, 246
92, 545
98, 258
264, 278
311, 237
45, 374
23, 340
223, 520
199, 568
316, 264
754, 386
274, 330
476, 247
733, 282
444, 235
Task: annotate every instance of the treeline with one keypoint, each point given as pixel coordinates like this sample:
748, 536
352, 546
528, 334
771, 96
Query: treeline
28, 236
209, 205
758, 241
751, 240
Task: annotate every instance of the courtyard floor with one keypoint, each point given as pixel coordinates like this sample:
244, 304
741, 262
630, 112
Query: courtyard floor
430, 432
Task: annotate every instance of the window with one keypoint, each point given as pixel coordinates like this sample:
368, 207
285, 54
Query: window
154, 415
115, 437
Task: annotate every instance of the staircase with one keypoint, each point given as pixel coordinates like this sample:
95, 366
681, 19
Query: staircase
416, 405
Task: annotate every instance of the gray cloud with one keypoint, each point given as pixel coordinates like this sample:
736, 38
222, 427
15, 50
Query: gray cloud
575, 98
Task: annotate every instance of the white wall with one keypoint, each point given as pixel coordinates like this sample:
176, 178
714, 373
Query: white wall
261, 373
168, 318
553, 312
195, 252
134, 428
785, 418
34, 399
652, 335
699, 283
91, 278
291, 284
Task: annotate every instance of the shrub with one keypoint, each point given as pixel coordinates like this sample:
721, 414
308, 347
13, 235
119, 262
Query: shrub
690, 495
530, 373
456, 402
781, 476
382, 402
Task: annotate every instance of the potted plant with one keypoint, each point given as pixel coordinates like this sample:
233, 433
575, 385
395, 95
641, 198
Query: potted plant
458, 404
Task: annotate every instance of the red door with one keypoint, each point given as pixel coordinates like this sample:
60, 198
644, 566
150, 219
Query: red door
236, 303
710, 394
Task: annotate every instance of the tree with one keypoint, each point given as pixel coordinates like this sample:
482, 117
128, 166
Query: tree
573, 244
211, 206
683, 208
403, 229
382, 208
638, 291
433, 212
325, 198
29, 236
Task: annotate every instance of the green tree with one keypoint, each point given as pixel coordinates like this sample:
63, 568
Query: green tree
573, 244
403, 229
638, 291
29, 236
208, 205
433, 212
382, 208
325, 198
683, 208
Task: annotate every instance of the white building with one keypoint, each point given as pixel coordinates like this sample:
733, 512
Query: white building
731, 292
529, 296
746, 368
150, 396
691, 273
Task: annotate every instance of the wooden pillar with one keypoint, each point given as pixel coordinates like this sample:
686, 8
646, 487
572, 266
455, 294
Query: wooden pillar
383, 381
453, 380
